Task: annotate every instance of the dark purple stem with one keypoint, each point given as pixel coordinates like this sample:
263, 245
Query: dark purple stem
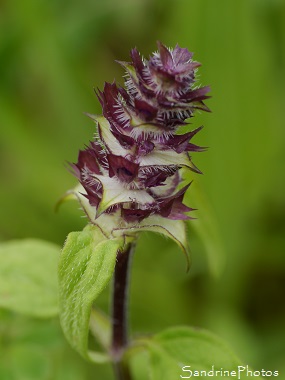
120, 305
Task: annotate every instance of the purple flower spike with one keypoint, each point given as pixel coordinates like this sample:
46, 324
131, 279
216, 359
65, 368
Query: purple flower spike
130, 175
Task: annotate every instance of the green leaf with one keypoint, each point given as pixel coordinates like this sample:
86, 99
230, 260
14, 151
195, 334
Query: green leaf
191, 349
28, 277
35, 349
85, 268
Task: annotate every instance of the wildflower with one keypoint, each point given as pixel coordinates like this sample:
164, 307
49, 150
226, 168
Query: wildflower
130, 174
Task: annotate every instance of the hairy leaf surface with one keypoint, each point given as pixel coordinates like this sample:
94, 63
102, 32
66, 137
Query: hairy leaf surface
86, 265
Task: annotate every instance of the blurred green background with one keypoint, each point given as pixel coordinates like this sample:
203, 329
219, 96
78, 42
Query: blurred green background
52, 54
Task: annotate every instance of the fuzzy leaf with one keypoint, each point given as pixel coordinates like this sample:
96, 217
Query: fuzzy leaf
86, 265
28, 277
191, 348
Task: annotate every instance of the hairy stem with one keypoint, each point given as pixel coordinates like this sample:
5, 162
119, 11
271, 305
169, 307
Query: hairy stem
120, 317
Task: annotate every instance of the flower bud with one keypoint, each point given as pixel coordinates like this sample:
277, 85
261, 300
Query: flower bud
130, 173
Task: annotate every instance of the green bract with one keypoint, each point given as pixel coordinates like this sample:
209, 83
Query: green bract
111, 224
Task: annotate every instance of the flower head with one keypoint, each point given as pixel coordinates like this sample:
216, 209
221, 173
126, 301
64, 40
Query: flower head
130, 174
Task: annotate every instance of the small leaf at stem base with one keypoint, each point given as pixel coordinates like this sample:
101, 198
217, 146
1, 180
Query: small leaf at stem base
86, 266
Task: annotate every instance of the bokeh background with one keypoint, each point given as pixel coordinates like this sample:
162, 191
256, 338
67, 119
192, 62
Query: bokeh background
52, 54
